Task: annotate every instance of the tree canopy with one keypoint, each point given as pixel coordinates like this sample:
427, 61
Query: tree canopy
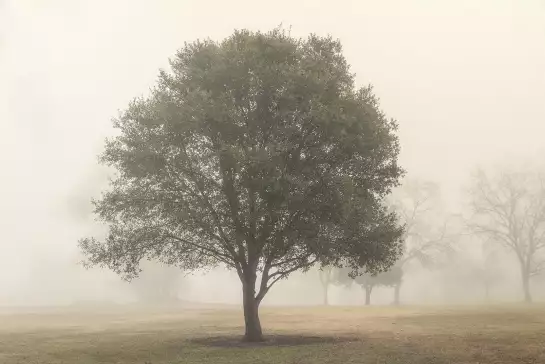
257, 152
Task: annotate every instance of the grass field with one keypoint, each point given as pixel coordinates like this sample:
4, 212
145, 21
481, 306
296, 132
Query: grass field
386, 335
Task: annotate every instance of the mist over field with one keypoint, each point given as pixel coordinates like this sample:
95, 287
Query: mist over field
465, 80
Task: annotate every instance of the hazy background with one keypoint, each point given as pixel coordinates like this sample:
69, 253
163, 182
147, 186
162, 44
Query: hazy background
465, 79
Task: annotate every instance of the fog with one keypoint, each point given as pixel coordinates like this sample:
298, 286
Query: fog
465, 79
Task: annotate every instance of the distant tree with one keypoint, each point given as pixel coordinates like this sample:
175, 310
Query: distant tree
427, 238
472, 271
508, 208
419, 206
257, 152
462, 277
390, 278
326, 275
396, 278
426, 241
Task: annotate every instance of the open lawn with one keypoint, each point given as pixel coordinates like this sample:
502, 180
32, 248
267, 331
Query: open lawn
512, 334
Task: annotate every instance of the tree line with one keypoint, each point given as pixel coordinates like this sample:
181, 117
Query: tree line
505, 212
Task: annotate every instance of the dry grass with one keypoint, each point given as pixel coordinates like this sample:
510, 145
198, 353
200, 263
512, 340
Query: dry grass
389, 335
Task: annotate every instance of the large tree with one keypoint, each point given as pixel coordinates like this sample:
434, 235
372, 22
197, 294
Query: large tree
257, 152
508, 208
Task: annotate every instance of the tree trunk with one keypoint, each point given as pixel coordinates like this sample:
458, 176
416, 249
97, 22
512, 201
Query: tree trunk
253, 332
397, 288
368, 290
526, 286
325, 278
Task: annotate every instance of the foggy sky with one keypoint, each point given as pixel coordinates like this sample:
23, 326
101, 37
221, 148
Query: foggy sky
465, 79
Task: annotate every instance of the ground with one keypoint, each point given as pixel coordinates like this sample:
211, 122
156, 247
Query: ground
408, 335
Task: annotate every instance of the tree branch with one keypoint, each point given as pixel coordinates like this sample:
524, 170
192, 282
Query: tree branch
282, 274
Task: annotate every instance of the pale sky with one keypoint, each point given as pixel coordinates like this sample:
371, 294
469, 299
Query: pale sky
464, 78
